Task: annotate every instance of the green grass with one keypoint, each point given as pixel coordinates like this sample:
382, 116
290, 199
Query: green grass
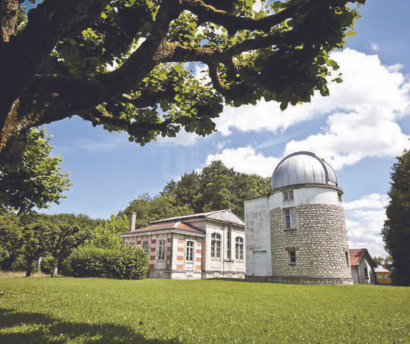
64, 310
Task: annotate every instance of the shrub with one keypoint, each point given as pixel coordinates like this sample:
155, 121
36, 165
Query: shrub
123, 263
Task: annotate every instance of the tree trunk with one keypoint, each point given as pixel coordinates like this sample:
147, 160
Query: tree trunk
29, 267
55, 268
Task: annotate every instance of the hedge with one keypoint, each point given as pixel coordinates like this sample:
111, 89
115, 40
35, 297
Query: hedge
123, 263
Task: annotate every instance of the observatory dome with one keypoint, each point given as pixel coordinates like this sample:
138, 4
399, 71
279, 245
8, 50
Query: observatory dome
303, 168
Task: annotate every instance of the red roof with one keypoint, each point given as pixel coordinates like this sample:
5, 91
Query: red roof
356, 255
167, 226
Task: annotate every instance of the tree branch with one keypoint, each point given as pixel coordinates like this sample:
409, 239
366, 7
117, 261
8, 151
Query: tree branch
133, 128
233, 23
146, 57
46, 24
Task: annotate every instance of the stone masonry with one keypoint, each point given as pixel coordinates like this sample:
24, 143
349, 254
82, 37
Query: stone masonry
320, 243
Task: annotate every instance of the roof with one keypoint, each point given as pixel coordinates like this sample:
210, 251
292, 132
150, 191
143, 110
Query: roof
303, 168
356, 255
380, 269
223, 215
186, 227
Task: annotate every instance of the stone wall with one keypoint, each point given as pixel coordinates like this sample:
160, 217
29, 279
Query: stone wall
320, 243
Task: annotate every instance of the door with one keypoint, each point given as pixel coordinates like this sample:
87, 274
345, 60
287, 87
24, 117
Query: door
260, 264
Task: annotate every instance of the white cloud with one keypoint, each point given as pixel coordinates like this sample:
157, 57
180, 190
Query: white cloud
364, 110
374, 46
246, 160
182, 139
364, 221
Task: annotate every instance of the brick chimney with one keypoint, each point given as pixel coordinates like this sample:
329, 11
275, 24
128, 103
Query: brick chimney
133, 218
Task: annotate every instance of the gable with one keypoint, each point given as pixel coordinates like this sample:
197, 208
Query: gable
226, 215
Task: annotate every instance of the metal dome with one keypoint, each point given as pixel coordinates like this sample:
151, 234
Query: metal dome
303, 168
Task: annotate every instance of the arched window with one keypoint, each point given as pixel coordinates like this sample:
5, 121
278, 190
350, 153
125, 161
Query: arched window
216, 245
189, 251
161, 250
239, 248
145, 246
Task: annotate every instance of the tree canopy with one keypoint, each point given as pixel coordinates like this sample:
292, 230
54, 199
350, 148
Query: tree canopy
127, 64
216, 187
396, 230
29, 176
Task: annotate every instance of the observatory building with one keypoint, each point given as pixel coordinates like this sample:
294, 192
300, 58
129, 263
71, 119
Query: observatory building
297, 233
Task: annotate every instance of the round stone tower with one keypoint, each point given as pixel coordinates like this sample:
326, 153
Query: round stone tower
307, 223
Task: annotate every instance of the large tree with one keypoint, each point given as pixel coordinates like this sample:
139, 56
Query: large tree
396, 230
122, 64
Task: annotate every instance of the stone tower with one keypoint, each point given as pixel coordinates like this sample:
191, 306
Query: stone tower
297, 233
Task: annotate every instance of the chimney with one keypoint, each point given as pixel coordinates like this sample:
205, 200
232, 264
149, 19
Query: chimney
133, 218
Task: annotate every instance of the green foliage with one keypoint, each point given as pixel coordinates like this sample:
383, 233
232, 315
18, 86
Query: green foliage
217, 187
150, 208
130, 65
207, 311
122, 263
396, 230
107, 233
28, 237
29, 177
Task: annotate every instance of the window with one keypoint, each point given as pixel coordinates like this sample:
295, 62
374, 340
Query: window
145, 246
161, 251
387, 277
379, 276
347, 258
290, 218
288, 195
216, 245
340, 197
239, 248
292, 256
366, 273
228, 244
190, 251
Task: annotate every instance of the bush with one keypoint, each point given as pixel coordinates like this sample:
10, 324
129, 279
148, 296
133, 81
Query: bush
123, 263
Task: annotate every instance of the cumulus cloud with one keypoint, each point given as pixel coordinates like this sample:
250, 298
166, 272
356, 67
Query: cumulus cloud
246, 160
363, 113
182, 139
364, 221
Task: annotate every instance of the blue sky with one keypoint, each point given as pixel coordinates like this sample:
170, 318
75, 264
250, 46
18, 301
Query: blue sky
359, 130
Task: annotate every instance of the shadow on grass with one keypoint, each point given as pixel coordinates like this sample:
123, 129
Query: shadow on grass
21, 327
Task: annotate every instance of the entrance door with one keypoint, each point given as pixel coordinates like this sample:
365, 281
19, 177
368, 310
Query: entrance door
260, 264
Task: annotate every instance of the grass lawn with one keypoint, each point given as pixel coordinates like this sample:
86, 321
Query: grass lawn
60, 310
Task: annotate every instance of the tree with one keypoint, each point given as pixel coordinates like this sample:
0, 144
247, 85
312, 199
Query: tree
148, 208
29, 177
217, 187
396, 230
107, 233
124, 64
62, 237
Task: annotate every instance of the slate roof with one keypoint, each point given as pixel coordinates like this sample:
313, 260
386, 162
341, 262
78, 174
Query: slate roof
186, 217
186, 227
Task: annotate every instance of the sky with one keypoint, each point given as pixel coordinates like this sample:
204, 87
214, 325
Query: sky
359, 129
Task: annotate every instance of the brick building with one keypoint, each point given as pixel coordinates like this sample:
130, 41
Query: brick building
195, 246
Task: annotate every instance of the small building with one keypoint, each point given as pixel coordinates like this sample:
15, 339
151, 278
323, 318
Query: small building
297, 232
383, 276
362, 266
195, 246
